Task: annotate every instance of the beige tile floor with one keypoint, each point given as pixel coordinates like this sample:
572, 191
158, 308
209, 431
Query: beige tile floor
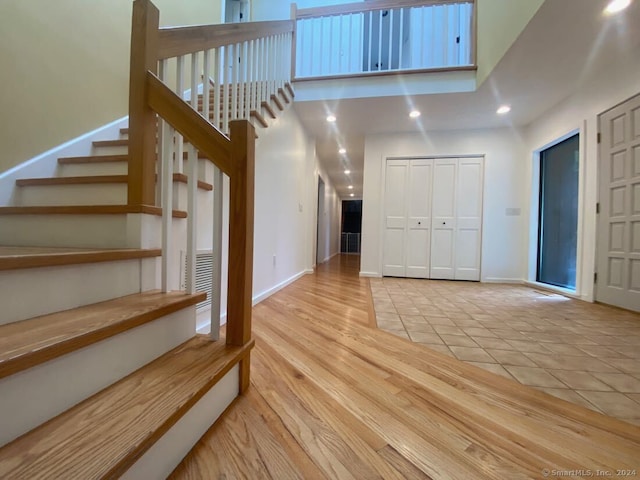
585, 353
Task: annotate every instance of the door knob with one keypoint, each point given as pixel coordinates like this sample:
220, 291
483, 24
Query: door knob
444, 223
419, 223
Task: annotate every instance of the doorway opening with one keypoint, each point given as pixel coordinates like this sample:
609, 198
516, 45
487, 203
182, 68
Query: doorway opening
558, 214
321, 247
351, 226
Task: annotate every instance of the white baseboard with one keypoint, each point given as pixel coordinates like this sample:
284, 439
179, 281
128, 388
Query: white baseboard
370, 274
502, 280
267, 293
45, 164
308, 271
203, 322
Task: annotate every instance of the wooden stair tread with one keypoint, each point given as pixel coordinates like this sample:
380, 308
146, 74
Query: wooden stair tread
284, 95
269, 109
275, 99
289, 87
31, 342
13, 258
105, 434
258, 116
93, 159
23, 182
123, 142
88, 210
95, 179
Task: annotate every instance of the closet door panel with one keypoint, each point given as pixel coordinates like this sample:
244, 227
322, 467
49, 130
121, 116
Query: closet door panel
395, 221
468, 236
419, 218
443, 224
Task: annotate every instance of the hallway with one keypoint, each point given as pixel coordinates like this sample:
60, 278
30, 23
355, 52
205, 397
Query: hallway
333, 398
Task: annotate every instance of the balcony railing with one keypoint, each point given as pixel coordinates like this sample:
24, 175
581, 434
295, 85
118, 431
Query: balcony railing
384, 36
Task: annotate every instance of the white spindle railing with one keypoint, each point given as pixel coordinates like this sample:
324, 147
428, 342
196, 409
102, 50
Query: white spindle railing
226, 83
403, 36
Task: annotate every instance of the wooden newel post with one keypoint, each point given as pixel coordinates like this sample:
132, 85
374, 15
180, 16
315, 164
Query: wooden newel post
142, 120
240, 284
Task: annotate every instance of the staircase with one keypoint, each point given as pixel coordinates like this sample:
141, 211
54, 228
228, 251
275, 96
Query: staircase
101, 372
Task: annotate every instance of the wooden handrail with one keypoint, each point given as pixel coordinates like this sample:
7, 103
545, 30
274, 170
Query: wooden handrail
369, 6
205, 137
173, 42
234, 155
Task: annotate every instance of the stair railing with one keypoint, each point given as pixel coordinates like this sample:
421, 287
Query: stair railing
164, 118
384, 36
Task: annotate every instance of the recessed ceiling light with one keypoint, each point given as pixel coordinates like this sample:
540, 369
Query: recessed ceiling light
350, 187
414, 114
503, 109
616, 6
342, 151
351, 194
331, 118
347, 172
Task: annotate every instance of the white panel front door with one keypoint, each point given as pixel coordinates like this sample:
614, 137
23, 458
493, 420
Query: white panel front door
468, 232
419, 218
618, 259
395, 218
443, 214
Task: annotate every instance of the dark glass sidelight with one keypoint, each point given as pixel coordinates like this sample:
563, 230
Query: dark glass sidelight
558, 221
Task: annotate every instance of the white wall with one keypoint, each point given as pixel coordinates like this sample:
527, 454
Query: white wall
65, 67
281, 203
502, 249
601, 91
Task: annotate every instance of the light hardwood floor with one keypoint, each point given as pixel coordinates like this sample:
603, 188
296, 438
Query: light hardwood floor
332, 397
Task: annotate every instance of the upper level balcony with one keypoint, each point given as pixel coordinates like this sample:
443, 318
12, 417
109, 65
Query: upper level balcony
384, 48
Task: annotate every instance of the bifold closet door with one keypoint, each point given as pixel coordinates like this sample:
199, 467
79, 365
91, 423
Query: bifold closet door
395, 218
407, 217
468, 233
457, 219
443, 216
418, 218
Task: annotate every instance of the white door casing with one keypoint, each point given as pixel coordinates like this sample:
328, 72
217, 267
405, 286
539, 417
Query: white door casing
618, 237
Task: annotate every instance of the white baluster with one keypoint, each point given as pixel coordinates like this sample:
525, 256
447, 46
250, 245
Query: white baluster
216, 88
227, 56
206, 87
192, 188
390, 66
167, 203
162, 75
216, 258
234, 81
401, 41
370, 27
379, 40
180, 92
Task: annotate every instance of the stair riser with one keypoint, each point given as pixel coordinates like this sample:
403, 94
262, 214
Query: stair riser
32, 292
111, 150
87, 231
36, 395
205, 169
85, 194
91, 194
165, 455
93, 169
